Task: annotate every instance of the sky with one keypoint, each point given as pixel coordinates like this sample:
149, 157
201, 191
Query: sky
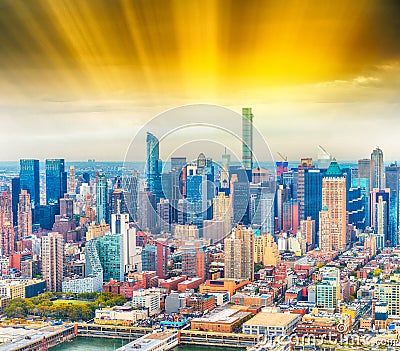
80, 78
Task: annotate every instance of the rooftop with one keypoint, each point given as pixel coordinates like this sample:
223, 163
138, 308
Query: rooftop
268, 319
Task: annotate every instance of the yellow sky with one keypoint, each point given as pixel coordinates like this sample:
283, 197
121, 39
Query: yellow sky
163, 53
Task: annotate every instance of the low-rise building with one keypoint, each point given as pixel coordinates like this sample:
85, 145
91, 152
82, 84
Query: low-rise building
119, 315
146, 299
267, 323
221, 320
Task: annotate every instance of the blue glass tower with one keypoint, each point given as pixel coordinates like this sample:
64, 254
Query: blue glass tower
56, 180
29, 179
392, 182
101, 198
15, 191
313, 193
153, 166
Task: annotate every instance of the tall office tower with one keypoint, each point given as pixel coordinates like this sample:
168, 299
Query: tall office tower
224, 176
182, 211
29, 179
222, 211
164, 215
67, 207
119, 223
381, 218
240, 198
312, 194
171, 189
56, 180
71, 186
365, 169
53, 261
177, 163
266, 250
378, 169
247, 138
155, 258
282, 196
261, 208
308, 231
24, 215
373, 199
334, 200
116, 202
195, 260
130, 261
328, 290
6, 225
356, 206
101, 198
325, 239
153, 166
196, 196
147, 213
290, 222
305, 163
239, 253
392, 177
15, 191
6, 215
130, 186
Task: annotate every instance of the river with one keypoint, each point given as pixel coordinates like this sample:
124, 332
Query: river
98, 344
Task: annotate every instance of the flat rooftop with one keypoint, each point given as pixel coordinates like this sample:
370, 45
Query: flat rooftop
271, 319
13, 338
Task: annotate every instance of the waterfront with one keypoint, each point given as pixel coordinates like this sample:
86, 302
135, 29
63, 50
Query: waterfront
90, 344
97, 344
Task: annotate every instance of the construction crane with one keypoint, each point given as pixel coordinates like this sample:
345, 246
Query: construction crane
284, 158
324, 151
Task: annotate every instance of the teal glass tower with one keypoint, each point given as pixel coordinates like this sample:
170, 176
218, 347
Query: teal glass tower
247, 138
101, 198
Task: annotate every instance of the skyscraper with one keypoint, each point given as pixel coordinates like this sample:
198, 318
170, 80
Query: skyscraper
24, 215
266, 250
247, 139
71, 187
29, 179
15, 191
153, 166
56, 180
239, 253
147, 214
378, 169
6, 224
222, 211
101, 198
334, 202
53, 261
130, 185
392, 177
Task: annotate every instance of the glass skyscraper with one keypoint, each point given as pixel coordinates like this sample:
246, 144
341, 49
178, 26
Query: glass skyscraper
153, 166
247, 138
101, 198
29, 179
56, 180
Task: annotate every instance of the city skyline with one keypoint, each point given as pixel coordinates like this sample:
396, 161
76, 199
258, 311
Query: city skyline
312, 75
